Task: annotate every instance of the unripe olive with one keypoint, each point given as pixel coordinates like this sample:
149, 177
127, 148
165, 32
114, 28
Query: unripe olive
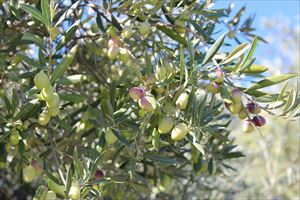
14, 137
179, 26
38, 168
47, 92
148, 103
41, 80
54, 101
182, 100
112, 42
53, 111
179, 131
259, 120
144, 28
234, 108
50, 195
44, 118
165, 125
113, 52
124, 55
28, 173
248, 126
242, 114
127, 32
136, 92
213, 88
74, 192
236, 95
219, 75
253, 108
110, 137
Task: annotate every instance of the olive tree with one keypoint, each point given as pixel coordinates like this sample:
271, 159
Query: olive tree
126, 99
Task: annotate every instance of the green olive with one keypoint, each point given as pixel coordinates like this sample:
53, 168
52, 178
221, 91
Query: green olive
14, 137
47, 93
179, 131
28, 173
165, 125
50, 195
110, 137
182, 101
44, 118
74, 192
41, 80
53, 111
144, 28
113, 52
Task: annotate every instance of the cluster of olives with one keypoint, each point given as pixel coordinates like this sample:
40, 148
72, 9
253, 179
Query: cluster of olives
148, 103
48, 94
236, 106
257, 120
144, 29
214, 86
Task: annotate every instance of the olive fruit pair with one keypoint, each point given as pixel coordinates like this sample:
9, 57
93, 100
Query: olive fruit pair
178, 132
257, 121
145, 100
214, 87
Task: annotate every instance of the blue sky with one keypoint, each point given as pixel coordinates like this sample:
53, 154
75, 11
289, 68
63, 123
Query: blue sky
285, 13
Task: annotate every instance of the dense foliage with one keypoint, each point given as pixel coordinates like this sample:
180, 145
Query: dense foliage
126, 99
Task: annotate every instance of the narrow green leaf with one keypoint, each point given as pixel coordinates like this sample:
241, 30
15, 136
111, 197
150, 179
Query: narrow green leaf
161, 159
46, 13
69, 180
29, 61
237, 52
199, 147
172, 34
62, 67
255, 69
35, 39
67, 13
247, 65
210, 166
273, 80
281, 95
15, 12
251, 51
120, 137
59, 189
72, 97
291, 101
69, 35
214, 49
236, 154
34, 12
